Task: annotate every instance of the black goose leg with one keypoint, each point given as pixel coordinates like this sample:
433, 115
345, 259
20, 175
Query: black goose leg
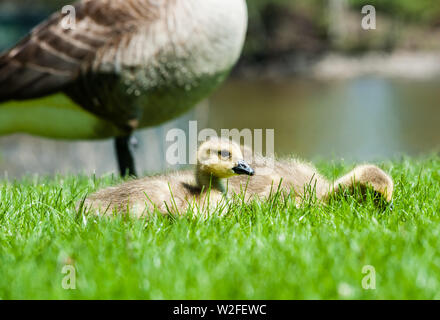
124, 153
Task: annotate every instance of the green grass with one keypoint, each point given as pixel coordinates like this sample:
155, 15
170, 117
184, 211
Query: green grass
267, 250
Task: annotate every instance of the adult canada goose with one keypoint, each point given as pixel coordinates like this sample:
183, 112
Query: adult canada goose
128, 63
217, 159
302, 178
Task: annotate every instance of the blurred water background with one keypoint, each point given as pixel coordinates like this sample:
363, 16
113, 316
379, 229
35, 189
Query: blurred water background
329, 89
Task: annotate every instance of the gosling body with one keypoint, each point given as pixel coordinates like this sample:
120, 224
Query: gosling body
172, 193
202, 190
302, 180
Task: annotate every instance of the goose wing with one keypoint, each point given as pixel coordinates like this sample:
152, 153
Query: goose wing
52, 56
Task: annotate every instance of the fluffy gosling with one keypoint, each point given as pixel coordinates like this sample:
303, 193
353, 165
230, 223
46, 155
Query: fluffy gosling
217, 159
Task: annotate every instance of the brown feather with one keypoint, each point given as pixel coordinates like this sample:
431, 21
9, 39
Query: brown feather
55, 56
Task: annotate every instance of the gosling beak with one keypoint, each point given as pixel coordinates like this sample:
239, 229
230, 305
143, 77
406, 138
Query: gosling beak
243, 168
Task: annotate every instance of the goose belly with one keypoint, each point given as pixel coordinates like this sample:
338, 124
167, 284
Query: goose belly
157, 99
166, 103
138, 96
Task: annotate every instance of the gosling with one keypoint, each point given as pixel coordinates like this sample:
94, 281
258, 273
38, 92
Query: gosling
301, 180
217, 159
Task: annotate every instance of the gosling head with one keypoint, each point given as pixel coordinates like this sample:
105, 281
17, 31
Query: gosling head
221, 158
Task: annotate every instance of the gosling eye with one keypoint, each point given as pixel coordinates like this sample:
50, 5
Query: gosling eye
224, 154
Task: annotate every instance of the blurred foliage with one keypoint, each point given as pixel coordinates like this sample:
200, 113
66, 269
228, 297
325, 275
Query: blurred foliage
280, 26
417, 11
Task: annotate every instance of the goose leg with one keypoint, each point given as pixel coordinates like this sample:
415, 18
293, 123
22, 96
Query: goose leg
124, 151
